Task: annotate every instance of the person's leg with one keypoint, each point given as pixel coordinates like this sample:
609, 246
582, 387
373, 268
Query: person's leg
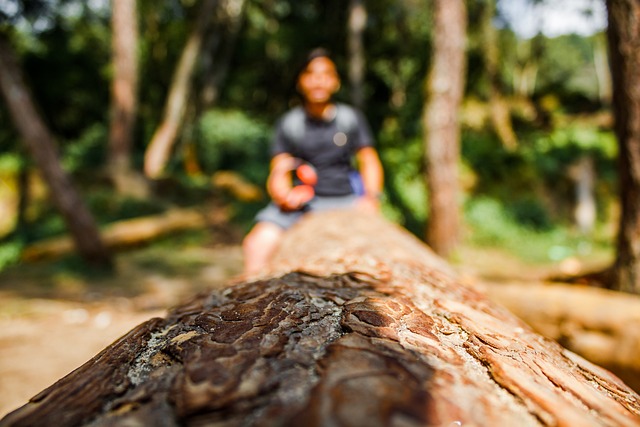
259, 245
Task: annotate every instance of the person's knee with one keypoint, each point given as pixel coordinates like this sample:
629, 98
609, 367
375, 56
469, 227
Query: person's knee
251, 242
261, 241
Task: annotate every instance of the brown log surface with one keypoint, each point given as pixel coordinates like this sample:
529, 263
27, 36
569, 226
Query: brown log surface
601, 325
356, 323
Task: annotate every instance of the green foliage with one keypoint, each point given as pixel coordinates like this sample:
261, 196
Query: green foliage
519, 195
536, 179
530, 213
229, 139
567, 66
10, 252
66, 75
490, 223
108, 207
406, 177
10, 163
87, 151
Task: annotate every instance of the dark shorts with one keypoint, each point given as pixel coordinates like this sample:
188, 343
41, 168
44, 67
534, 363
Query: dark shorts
285, 219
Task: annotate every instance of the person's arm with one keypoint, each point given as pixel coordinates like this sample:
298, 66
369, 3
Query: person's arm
279, 183
372, 177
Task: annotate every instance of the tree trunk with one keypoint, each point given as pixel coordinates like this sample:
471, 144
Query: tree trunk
355, 46
601, 67
445, 88
124, 102
355, 323
499, 109
42, 148
583, 174
159, 149
624, 45
219, 49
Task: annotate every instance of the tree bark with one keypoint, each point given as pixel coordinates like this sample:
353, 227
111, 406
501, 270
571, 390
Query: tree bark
624, 44
600, 325
355, 322
159, 149
445, 89
355, 46
124, 101
42, 148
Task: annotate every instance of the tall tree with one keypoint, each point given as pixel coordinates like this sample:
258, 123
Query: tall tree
444, 92
124, 104
219, 49
624, 45
499, 108
159, 149
355, 46
41, 146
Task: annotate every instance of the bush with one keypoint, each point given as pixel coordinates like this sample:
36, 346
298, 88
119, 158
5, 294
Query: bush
494, 225
230, 140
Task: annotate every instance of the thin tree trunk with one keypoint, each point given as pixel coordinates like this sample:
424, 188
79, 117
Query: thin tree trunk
124, 103
218, 55
24, 197
159, 149
356, 323
624, 45
41, 146
601, 67
499, 108
525, 74
445, 87
355, 45
583, 175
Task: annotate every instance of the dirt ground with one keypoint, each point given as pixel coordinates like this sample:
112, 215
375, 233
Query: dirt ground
53, 320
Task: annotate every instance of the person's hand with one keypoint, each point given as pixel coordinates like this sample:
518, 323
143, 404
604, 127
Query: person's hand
280, 183
368, 204
299, 196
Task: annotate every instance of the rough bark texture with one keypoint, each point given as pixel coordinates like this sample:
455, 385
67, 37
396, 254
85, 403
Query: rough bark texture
624, 45
42, 148
356, 323
602, 326
445, 88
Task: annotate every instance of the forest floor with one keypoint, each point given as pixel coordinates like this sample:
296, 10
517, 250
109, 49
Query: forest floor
52, 320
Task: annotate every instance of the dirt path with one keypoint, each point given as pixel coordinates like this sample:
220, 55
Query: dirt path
51, 322
51, 339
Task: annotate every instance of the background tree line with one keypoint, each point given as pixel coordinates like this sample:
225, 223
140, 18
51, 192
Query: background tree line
181, 90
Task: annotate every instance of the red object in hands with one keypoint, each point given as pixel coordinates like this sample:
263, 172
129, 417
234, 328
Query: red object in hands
302, 194
307, 175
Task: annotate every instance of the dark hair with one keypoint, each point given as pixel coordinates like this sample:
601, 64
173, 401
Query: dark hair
318, 52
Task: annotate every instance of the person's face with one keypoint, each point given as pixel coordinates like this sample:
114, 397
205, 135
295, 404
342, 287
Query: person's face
319, 81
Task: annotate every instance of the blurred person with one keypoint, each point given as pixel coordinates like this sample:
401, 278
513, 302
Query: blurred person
323, 158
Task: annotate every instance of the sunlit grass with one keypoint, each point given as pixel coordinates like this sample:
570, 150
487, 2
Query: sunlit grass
490, 225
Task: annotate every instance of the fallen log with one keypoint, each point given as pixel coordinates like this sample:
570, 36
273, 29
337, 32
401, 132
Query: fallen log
123, 233
601, 325
355, 323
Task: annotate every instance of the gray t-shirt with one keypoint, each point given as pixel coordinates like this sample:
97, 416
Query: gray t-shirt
328, 148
